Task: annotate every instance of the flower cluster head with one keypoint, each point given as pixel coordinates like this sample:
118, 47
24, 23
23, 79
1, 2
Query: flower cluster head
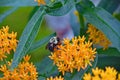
97, 37
8, 42
40, 2
99, 74
24, 71
56, 78
74, 54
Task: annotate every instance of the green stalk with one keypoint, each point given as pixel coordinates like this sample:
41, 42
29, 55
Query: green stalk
82, 24
81, 18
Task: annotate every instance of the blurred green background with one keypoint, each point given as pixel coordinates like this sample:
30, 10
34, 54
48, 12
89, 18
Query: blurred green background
17, 22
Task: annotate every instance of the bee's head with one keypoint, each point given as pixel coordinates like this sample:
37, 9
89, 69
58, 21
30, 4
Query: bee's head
54, 40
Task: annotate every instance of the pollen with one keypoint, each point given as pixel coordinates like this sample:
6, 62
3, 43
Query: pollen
40, 2
24, 71
99, 74
56, 78
8, 42
98, 37
73, 54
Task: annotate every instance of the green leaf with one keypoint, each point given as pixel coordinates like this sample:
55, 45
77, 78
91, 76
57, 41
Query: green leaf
109, 5
40, 42
62, 10
104, 21
18, 3
8, 12
56, 5
110, 51
33, 11
28, 36
46, 68
113, 61
83, 6
78, 75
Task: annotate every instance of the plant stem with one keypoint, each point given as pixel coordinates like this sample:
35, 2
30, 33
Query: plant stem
82, 24
81, 18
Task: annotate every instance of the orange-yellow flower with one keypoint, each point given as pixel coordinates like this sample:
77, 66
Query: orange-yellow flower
24, 71
8, 42
40, 2
56, 78
74, 54
98, 74
97, 37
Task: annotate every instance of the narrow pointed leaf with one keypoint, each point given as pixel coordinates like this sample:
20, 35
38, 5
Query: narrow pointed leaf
28, 36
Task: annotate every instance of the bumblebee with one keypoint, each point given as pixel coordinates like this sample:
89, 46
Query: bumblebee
53, 42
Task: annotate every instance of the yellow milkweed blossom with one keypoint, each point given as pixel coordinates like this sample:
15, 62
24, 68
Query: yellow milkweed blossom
40, 2
8, 42
74, 54
56, 78
24, 71
99, 74
98, 37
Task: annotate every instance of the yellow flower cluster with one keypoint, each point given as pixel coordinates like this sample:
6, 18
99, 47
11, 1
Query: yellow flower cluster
98, 74
8, 42
97, 37
40, 2
56, 78
75, 54
24, 71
